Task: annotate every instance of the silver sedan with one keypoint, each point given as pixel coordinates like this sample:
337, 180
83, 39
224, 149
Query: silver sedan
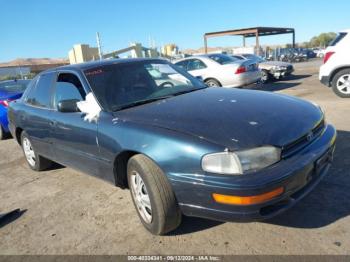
221, 70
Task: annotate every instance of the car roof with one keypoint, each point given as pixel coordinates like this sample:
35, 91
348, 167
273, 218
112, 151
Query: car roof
345, 31
201, 56
93, 64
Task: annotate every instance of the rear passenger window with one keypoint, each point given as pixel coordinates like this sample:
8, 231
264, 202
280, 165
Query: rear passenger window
195, 64
182, 64
40, 94
338, 38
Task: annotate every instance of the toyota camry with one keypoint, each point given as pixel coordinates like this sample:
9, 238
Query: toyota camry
182, 148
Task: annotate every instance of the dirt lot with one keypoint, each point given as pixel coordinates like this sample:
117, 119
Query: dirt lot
68, 212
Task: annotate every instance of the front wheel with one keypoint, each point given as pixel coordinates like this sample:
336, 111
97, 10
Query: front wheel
264, 76
35, 161
341, 83
153, 196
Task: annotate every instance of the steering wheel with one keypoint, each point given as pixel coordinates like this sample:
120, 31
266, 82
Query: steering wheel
164, 84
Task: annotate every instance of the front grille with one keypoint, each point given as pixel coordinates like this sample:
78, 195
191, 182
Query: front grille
303, 141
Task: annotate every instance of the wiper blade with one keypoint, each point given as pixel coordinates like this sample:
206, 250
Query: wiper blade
142, 102
188, 91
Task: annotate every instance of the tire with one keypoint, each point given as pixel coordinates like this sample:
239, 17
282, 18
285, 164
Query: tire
35, 161
212, 83
161, 213
2, 133
341, 83
265, 77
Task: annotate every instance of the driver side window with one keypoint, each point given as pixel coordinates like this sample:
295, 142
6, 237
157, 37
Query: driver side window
68, 87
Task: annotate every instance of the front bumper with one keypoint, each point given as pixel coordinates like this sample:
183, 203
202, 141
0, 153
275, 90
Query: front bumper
298, 175
281, 72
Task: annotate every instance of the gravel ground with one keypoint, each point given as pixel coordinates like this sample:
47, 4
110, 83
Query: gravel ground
67, 212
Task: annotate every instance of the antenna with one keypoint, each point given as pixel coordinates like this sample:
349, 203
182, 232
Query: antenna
99, 45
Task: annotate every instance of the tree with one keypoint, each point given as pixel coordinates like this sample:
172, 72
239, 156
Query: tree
322, 40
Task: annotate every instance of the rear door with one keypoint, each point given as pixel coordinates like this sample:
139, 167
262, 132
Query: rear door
74, 139
36, 118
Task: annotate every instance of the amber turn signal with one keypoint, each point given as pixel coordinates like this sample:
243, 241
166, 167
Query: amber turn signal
247, 200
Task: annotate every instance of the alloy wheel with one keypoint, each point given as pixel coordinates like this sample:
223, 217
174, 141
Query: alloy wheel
264, 77
343, 84
28, 151
212, 84
141, 197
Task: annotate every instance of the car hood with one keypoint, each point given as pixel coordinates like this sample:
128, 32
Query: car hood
232, 118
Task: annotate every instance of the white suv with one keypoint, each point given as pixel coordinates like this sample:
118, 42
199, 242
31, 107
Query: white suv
335, 71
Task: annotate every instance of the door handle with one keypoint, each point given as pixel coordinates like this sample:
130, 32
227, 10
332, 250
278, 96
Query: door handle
52, 123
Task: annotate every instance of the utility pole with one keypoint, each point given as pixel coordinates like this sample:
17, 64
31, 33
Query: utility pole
99, 45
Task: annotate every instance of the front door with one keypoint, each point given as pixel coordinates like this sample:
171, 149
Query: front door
74, 139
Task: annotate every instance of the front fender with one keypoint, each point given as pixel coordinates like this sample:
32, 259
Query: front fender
172, 151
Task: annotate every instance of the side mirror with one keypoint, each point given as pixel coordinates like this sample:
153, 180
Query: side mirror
68, 106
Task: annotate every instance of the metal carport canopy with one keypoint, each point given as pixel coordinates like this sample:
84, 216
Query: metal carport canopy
251, 32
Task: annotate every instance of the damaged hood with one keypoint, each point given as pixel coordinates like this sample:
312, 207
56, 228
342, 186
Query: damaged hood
232, 118
270, 64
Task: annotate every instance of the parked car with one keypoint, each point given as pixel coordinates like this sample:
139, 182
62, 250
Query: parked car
9, 91
221, 70
335, 71
320, 53
181, 147
269, 69
310, 53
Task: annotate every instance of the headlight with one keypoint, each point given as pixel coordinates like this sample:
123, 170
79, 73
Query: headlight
236, 163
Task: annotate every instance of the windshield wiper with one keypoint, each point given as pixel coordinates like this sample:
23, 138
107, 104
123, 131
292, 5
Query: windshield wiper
138, 103
146, 101
188, 91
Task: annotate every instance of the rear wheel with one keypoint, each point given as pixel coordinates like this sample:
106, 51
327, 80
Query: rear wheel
212, 83
153, 196
35, 161
341, 83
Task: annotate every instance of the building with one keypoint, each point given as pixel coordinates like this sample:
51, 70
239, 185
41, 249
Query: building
81, 53
22, 67
170, 50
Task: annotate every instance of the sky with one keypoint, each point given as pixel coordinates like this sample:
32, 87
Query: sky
50, 28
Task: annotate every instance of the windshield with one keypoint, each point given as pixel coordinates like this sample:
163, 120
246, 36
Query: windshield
222, 59
14, 86
122, 85
254, 57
